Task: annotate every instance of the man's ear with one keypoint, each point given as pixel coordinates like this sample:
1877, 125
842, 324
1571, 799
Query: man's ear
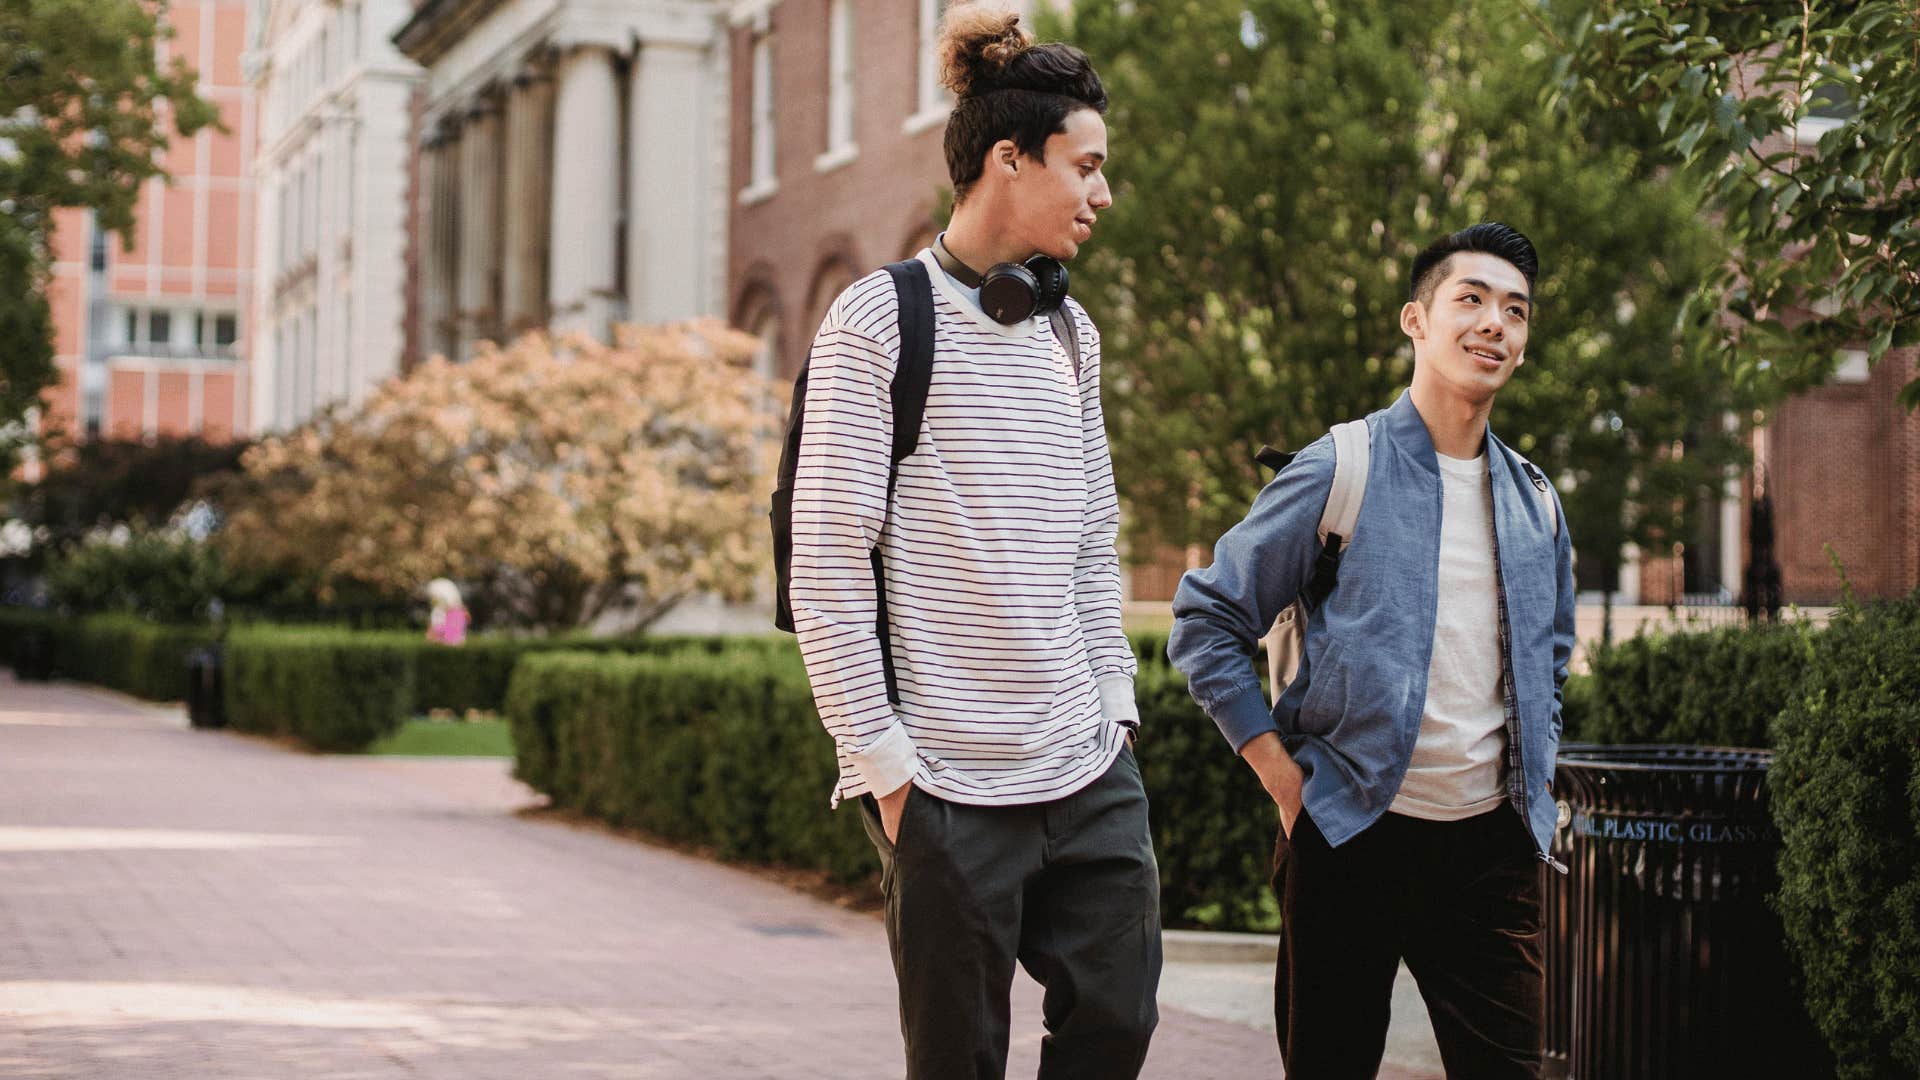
1413, 319
1005, 156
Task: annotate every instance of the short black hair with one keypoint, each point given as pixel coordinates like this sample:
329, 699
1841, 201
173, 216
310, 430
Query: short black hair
1007, 87
1487, 238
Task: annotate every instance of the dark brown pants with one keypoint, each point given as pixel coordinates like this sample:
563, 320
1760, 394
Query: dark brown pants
1069, 889
1458, 900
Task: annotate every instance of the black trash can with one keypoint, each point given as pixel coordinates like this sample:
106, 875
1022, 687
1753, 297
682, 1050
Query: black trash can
206, 703
1557, 899
33, 658
1665, 959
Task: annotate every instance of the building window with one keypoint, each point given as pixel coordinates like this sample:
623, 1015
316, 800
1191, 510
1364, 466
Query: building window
133, 327
760, 181
840, 77
931, 102
97, 249
159, 327
766, 358
226, 329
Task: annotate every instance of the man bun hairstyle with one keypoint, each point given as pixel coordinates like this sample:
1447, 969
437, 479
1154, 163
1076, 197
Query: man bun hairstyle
1487, 238
1006, 87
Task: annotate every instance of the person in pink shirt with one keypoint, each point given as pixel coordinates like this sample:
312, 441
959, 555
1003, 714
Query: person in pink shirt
448, 624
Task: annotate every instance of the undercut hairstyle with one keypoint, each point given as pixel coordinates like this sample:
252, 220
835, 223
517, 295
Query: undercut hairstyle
1486, 238
1007, 87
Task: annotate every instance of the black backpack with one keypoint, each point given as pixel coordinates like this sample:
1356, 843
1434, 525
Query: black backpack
912, 377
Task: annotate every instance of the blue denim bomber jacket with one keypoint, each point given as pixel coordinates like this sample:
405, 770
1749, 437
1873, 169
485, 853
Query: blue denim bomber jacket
1352, 714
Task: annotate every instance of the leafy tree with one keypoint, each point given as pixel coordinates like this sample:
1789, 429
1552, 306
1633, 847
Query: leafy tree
95, 484
1820, 221
85, 110
556, 480
163, 575
1278, 163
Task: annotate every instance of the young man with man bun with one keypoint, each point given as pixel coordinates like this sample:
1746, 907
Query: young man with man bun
984, 727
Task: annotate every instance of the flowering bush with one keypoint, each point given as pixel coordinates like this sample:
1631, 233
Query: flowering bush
556, 480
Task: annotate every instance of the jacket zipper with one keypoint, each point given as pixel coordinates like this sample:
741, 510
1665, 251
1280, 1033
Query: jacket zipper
1509, 692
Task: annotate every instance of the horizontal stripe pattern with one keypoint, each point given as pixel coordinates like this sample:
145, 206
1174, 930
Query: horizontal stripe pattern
1003, 582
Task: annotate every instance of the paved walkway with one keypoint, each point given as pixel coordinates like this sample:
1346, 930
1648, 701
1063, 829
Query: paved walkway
188, 904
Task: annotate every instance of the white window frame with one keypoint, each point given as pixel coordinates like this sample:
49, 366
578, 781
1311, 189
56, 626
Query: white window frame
762, 178
1853, 367
932, 104
841, 148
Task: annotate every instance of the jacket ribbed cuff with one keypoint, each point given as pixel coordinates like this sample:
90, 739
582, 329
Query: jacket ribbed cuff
1244, 716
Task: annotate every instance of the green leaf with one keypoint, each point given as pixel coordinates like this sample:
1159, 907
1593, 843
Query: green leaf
1725, 111
1689, 139
1665, 115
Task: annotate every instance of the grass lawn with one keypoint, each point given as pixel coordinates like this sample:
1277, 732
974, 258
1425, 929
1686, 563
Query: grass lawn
427, 737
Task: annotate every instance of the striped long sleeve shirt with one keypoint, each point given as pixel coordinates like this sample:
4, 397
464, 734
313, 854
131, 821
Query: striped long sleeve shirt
1003, 583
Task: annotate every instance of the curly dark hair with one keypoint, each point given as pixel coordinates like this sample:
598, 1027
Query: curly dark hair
1007, 87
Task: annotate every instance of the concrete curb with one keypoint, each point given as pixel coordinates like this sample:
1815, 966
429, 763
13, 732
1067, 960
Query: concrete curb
1217, 947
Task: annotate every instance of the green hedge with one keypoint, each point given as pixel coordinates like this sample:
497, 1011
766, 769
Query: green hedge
685, 746
717, 749
334, 690
475, 675
1846, 796
1213, 824
122, 652
1719, 687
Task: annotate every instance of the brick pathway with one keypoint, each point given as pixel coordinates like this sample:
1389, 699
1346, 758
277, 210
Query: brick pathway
176, 903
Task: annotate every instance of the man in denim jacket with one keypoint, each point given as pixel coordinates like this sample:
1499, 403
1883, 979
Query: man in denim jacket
1412, 756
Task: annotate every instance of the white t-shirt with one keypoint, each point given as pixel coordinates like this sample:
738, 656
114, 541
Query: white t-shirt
1456, 765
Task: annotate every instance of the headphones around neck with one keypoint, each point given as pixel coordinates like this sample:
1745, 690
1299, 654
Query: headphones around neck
1010, 292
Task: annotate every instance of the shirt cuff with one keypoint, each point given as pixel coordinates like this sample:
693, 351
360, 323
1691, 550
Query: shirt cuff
887, 764
1244, 717
1117, 703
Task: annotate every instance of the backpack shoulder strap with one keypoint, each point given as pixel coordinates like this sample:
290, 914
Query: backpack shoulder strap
1063, 329
1352, 456
1542, 490
913, 372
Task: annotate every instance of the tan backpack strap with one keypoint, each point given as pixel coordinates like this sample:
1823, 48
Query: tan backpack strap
1352, 457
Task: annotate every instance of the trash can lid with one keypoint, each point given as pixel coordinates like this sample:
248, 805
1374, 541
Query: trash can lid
1648, 757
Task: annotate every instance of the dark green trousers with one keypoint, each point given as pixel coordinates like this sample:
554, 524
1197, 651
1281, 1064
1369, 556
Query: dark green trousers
1067, 888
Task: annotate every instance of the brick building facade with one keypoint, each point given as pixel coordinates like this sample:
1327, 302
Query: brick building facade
152, 340
837, 166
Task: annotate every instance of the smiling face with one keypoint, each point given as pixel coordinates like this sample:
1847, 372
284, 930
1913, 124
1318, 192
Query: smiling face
1052, 204
1471, 335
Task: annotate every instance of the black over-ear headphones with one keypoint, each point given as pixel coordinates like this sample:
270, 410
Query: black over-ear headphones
1010, 292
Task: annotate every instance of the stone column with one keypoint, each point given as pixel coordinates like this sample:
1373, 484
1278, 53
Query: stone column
479, 225
438, 243
585, 196
670, 237
527, 204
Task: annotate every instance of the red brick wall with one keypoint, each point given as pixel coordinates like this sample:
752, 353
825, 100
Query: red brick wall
1844, 468
820, 229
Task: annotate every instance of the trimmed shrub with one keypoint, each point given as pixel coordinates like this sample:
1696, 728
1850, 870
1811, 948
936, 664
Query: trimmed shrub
1213, 824
721, 749
1719, 687
1150, 648
122, 652
475, 675
728, 751
334, 690
1846, 796
129, 654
